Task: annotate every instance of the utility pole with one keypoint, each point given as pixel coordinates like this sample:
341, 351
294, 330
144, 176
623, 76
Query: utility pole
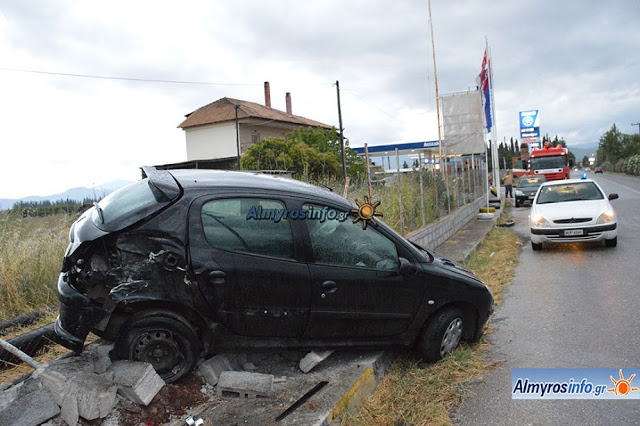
636, 124
344, 163
238, 135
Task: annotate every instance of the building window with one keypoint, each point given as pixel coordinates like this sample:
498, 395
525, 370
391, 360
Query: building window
255, 138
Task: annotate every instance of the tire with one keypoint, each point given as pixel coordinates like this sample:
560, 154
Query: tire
517, 203
612, 242
441, 335
165, 340
536, 246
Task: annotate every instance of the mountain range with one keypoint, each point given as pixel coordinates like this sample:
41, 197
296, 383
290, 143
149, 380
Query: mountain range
77, 194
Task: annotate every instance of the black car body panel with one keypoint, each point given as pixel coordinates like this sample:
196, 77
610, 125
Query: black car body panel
174, 254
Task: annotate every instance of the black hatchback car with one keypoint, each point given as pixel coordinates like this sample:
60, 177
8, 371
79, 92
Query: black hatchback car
185, 263
527, 188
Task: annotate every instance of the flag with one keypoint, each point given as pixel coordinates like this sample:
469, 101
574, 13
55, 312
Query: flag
484, 85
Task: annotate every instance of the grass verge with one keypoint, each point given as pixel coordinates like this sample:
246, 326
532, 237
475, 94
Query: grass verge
415, 393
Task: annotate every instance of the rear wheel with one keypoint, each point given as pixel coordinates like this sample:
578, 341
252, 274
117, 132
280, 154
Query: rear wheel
442, 335
536, 246
612, 242
165, 340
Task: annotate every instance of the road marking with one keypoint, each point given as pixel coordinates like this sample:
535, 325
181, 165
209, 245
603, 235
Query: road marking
624, 186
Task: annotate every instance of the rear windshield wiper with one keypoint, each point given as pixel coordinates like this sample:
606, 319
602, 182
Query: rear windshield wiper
100, 213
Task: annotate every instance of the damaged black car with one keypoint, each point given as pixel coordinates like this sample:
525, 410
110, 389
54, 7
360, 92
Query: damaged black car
186, 263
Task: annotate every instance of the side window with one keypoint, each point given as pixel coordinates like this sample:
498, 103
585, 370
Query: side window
345, 243
236, 225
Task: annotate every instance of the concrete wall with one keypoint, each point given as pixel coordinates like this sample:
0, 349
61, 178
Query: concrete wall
433, 235
213, 141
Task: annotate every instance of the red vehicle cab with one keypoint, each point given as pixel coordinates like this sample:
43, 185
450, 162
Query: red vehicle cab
553, 163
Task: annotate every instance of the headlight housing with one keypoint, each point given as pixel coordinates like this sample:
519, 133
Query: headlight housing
607, 217
519, 193
539, 221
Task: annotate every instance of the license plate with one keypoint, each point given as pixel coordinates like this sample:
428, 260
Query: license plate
531, 197
572, 232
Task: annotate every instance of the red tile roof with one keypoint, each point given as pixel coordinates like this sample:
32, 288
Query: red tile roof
224, 110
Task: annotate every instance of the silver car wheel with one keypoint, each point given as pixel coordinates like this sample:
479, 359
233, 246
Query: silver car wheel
451, 337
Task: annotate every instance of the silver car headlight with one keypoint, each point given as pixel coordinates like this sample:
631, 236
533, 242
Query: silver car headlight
606, 217
539, 221
519, 193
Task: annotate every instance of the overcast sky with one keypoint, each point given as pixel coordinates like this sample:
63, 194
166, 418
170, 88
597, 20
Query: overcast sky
575, 61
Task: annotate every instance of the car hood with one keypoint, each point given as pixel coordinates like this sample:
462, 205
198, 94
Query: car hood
452, 266
572, 209
528, 190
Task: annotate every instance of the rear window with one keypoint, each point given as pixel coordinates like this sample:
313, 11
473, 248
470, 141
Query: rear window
127, 205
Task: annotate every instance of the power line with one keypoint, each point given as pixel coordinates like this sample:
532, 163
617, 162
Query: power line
370, 104
104, 77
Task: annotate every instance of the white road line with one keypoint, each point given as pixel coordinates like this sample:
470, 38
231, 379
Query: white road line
624, 186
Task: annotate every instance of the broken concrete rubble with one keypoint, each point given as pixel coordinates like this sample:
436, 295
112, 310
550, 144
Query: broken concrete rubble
33, 408
312, 359
90, 396
247, 385
213, 367
137, 381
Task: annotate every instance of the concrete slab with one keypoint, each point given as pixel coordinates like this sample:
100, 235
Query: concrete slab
94, 396
98, 352
312, 359
213, 367
31, 409
137, 381
245, 384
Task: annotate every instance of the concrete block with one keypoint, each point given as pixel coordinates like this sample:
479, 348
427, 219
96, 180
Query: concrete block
93, 396
312, 359
54, 382
213, 367
71, 366
31, 409
7, 396
137, 381
98, 352
245, 384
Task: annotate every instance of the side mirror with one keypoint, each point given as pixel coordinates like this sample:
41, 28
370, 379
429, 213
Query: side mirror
406, 267
613, 196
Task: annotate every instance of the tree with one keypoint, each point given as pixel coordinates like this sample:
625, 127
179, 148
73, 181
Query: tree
313, 153
405, 165
585, 161
610, 147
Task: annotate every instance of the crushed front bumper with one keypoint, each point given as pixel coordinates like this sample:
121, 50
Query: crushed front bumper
78, 315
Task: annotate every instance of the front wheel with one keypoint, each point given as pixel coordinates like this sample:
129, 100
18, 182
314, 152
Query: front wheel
612, 242
165, 340
442, 335
536, 246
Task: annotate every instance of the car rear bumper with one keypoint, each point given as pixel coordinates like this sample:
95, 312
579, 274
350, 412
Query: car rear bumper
559, 235
77, 316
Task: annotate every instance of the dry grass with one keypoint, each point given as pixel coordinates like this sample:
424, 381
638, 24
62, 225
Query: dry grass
414, 393
31, 252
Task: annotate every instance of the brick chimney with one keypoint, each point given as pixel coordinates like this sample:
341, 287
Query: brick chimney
288, 101
267, 95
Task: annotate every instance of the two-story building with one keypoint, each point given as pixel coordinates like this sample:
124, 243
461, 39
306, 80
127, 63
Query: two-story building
218, 133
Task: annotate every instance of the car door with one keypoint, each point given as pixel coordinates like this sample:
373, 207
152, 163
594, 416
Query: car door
247, 268
357, 289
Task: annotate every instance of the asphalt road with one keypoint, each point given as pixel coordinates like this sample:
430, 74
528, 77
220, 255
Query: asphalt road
573, 306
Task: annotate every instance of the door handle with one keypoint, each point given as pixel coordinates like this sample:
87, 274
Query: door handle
329, 287
217, 277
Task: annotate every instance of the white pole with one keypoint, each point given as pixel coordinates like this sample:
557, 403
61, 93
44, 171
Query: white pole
494, 128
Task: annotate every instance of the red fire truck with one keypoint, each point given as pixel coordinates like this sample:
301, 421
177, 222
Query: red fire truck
551, 162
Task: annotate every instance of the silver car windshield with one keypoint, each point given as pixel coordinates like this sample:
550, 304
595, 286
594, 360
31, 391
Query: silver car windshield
579, 191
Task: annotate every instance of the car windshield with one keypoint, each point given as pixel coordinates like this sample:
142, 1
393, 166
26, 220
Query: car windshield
530, 182
557, 162
579, 191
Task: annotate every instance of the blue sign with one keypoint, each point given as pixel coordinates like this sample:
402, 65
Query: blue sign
529, 125
401, 147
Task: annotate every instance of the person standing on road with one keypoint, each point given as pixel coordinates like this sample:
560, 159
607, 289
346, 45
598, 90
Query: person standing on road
508, 185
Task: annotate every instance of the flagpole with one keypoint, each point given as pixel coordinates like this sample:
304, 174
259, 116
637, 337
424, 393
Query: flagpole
494, 131
443, 162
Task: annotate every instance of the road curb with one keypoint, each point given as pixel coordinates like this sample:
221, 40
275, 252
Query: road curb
353, 399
